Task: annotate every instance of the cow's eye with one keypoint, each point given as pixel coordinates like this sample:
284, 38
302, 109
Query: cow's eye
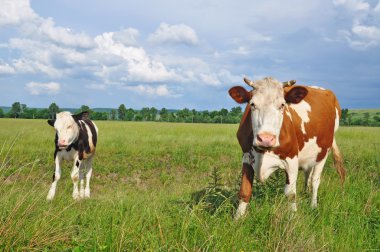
253, 105
282, 106
69, 127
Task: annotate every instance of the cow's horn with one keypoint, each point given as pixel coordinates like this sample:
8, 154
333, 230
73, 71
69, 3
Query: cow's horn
249, 82
288, 83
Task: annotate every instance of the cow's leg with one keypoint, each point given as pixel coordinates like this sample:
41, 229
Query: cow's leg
245, 192
315, 180
56, 177
307, 185
291, 188
75, 177
88, 178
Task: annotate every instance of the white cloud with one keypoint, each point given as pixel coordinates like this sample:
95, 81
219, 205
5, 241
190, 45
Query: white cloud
127, 37
161, 90
61, 35
353, 5
25, 65
371, 33
96, 86
111, 58
364, 32
137, 65
209, 79
6, 68
362, 37
19, 13
45, 30
222, 77
36, 88
181, 34
377, 8
14, 12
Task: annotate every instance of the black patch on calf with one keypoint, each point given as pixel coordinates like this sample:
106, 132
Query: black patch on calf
56, 145
51, 122
93, 131
82, 143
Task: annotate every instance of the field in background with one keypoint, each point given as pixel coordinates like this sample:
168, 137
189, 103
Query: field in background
162, 186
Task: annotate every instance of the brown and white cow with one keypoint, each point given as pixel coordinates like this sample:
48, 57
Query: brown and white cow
75, 140
287, 127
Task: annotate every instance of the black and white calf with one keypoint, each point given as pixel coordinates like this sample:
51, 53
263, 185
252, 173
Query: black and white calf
75, 140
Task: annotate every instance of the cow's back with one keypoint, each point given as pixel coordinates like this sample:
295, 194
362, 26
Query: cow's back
315, 118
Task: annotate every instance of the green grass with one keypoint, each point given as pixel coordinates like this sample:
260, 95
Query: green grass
152, 190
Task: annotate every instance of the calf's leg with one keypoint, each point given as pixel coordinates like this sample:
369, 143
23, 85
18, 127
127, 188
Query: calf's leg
75, 177
82, 171
56, 177
86, 170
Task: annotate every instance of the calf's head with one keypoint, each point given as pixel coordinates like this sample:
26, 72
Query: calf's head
66, 127
268, 101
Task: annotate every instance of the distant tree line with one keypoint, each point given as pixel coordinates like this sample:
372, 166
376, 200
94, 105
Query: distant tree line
351, 118
233, 115
18, 110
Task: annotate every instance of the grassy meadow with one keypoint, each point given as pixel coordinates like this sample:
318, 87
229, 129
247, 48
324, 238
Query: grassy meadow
173, 187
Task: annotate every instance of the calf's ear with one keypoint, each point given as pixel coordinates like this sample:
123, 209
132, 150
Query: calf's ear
295, 95
51, 122
82, 115
239, 94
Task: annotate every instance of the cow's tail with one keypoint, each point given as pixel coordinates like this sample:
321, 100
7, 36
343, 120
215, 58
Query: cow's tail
338, 161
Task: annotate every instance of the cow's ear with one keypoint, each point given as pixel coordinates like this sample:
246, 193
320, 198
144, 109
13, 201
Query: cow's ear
82, 115
51, 122
239, 94
295, 95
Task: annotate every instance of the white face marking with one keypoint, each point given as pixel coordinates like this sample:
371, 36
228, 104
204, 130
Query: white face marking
302, 108
267, 106
66, 128
308, 154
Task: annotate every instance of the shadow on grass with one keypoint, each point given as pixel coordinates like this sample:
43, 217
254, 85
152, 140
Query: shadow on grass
216, 198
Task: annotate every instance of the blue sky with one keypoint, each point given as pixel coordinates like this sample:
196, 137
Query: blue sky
186, 53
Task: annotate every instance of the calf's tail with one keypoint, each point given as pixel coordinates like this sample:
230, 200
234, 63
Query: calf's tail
338, 161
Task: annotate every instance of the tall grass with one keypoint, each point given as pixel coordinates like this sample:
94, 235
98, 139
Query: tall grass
161, 187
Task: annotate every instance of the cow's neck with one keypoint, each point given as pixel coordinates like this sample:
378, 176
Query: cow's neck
288, 146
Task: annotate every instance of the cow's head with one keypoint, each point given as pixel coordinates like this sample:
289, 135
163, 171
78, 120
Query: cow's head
268, 101
66, 127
